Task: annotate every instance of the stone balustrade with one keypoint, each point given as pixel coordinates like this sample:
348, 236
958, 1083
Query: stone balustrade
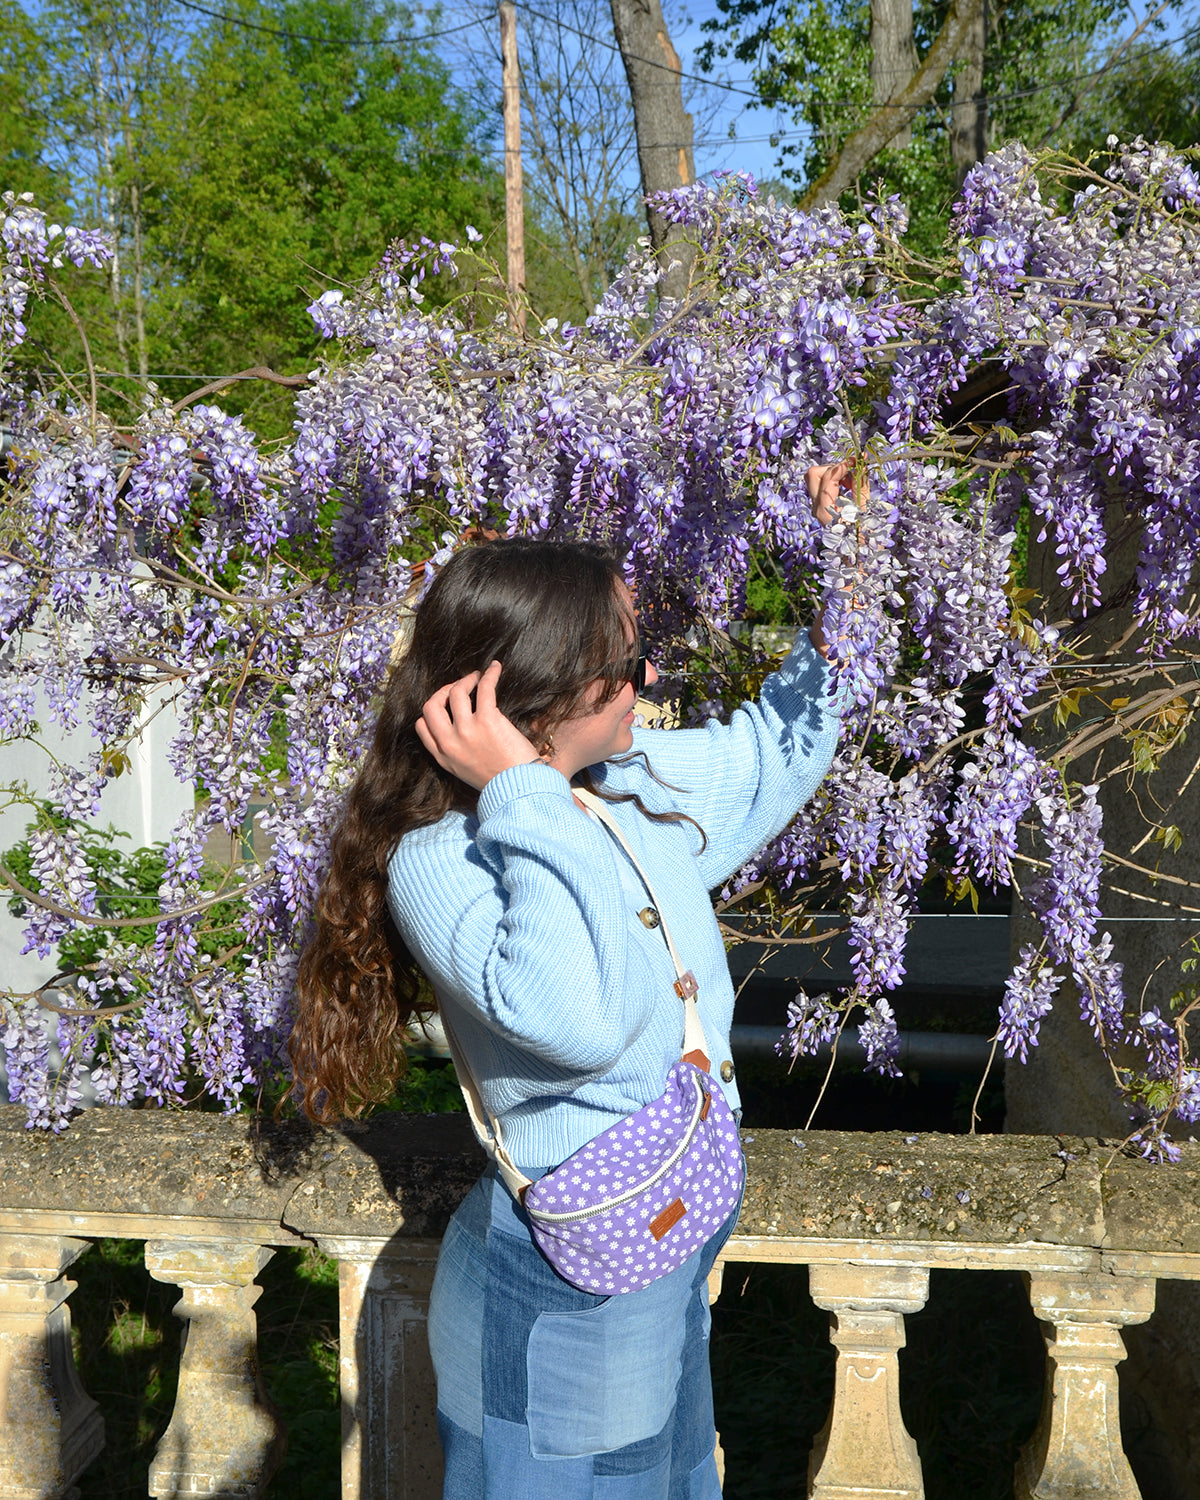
869, 1215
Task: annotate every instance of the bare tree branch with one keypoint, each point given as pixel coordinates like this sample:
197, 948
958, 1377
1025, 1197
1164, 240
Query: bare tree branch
151, 919
256, 372
886, 122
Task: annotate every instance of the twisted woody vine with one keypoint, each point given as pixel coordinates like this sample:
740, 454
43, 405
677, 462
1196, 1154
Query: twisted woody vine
257, 592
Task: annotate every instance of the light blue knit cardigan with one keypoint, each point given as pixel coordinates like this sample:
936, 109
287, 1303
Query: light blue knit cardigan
525, 916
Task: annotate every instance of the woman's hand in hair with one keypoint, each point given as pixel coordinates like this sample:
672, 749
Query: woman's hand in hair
466, 733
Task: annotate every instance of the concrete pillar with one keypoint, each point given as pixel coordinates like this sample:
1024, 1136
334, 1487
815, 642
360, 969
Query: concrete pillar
50, 1430
715, 1279
390, 1447
1067, 1086
1076, 1452
864, 1451
225, 1438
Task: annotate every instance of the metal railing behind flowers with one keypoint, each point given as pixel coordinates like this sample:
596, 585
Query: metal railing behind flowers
869, 1215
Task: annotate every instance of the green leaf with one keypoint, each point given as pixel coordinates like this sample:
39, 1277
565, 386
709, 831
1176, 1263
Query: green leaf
963, 889
1068, 704
1168, 836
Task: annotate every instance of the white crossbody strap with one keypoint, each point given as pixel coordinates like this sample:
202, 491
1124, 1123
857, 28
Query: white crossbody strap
487, 1129
685, 980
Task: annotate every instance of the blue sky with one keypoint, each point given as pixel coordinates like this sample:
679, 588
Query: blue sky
718, 110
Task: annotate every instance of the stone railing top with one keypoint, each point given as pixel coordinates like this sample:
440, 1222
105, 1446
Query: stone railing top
116, 1169
983, 1189
401, 1174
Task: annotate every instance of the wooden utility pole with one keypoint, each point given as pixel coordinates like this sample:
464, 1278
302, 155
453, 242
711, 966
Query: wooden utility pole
513, 199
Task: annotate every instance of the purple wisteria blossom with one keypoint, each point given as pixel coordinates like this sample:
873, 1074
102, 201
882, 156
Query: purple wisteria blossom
881, 1038
258, 594
1028, 995
811, 1024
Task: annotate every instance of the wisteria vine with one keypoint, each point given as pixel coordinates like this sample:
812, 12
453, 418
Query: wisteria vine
261, 592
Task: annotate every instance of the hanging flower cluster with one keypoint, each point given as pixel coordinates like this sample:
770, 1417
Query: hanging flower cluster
259, 593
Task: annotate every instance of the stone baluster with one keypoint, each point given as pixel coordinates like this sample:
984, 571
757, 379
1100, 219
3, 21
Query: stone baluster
390, 1445
225, 1438
49, 1429
715, 1279
864, 1450
1076, 1452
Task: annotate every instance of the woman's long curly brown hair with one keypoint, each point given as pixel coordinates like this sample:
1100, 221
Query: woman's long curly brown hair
551, 613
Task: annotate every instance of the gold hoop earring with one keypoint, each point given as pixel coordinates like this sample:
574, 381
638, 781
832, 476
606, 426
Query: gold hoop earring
547, 747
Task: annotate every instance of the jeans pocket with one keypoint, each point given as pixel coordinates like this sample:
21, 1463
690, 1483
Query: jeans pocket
606, 1376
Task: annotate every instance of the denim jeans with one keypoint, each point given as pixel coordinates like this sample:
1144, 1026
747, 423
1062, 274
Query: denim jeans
549, 1393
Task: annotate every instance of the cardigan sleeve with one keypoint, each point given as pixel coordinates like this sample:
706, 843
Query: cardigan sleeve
744, 781
520, 919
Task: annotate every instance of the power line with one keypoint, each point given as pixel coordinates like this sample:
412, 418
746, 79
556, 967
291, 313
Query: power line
325, 41
756, 95
428, 36
650, 62
1069, 81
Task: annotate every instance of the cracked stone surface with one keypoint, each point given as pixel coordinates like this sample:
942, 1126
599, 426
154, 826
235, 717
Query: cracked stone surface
998, 1189
405, 1174
399, 1174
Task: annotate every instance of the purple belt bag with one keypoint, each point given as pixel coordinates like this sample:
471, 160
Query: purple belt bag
649, 1191
645, 1194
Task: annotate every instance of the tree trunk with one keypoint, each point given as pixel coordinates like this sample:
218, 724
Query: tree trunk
884, 124
107, 193
893, 57
968, 114
663, 126
139, 279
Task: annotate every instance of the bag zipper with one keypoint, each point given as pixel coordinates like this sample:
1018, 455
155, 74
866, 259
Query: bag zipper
634, 1192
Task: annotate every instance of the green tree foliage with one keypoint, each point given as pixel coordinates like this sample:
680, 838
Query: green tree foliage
290, 162
1069, 75
127, 886
1066, 73
811, 60
23, 124
105, 61
240, 165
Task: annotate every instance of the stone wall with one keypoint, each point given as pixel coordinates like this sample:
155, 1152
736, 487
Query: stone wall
869, 1215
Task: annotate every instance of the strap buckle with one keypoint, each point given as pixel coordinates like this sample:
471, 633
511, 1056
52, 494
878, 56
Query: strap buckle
686, 986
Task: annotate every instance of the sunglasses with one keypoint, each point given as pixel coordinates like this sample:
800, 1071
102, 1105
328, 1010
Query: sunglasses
633, 669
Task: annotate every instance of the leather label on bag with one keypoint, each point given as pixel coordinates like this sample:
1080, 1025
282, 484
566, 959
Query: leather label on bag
669, 1217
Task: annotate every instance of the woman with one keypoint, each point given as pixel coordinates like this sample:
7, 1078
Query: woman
538, 938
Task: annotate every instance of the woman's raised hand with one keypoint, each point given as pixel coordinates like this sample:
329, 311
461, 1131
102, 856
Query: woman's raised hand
825, 483
472, 740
